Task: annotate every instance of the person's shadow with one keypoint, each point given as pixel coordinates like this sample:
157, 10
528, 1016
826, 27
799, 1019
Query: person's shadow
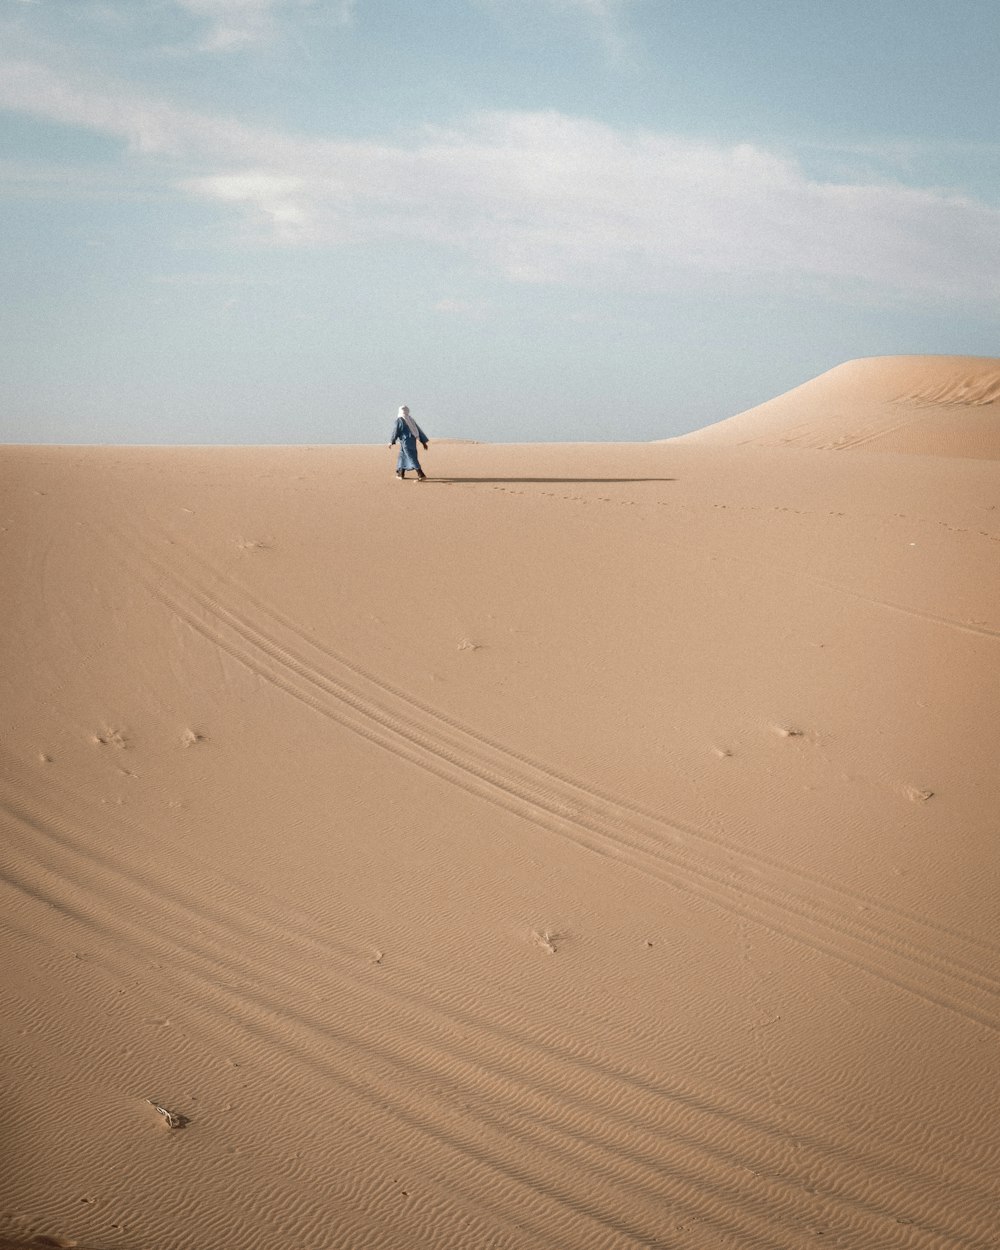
556, 481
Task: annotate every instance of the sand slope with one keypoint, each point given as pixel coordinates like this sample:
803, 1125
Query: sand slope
924, 405
592, 847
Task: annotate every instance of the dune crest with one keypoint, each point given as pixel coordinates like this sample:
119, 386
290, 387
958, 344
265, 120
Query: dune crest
921, 405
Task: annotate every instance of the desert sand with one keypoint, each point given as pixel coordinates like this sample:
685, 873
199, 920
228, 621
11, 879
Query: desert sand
925, 405
593, 846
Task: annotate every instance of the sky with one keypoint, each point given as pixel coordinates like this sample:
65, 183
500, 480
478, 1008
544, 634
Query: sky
275, 221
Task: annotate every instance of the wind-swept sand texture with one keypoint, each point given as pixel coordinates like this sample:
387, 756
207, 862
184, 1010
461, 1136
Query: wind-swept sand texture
924, 405
593, 847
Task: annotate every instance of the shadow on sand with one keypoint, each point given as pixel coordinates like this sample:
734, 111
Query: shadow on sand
597, 481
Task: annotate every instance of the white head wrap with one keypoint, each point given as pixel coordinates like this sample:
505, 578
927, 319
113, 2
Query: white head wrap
404, 415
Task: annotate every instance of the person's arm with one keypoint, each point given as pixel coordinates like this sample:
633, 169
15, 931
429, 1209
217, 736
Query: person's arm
423, 437
395, 434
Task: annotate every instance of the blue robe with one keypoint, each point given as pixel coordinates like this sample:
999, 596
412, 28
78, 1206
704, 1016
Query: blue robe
407, 445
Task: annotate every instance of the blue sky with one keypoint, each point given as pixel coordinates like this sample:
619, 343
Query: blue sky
273, 221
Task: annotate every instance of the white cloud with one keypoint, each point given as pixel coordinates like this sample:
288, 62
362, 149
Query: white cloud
282, 201
233, 24
546, 198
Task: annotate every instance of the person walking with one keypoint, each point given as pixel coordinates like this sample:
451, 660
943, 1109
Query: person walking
407, 433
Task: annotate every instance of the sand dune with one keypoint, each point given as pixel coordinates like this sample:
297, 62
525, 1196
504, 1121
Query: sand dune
594, 846
924, 405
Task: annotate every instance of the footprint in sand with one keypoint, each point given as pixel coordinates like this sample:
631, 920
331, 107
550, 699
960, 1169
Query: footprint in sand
546, 939
173, 1119
916, 795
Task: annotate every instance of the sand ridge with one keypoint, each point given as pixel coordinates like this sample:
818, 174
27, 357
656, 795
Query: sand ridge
920, 405
592, 846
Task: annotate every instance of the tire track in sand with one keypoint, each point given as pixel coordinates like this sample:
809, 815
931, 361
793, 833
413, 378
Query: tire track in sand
637, 1142
807, 909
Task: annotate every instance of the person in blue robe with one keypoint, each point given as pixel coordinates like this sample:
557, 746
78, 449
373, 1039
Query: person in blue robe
407, 433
